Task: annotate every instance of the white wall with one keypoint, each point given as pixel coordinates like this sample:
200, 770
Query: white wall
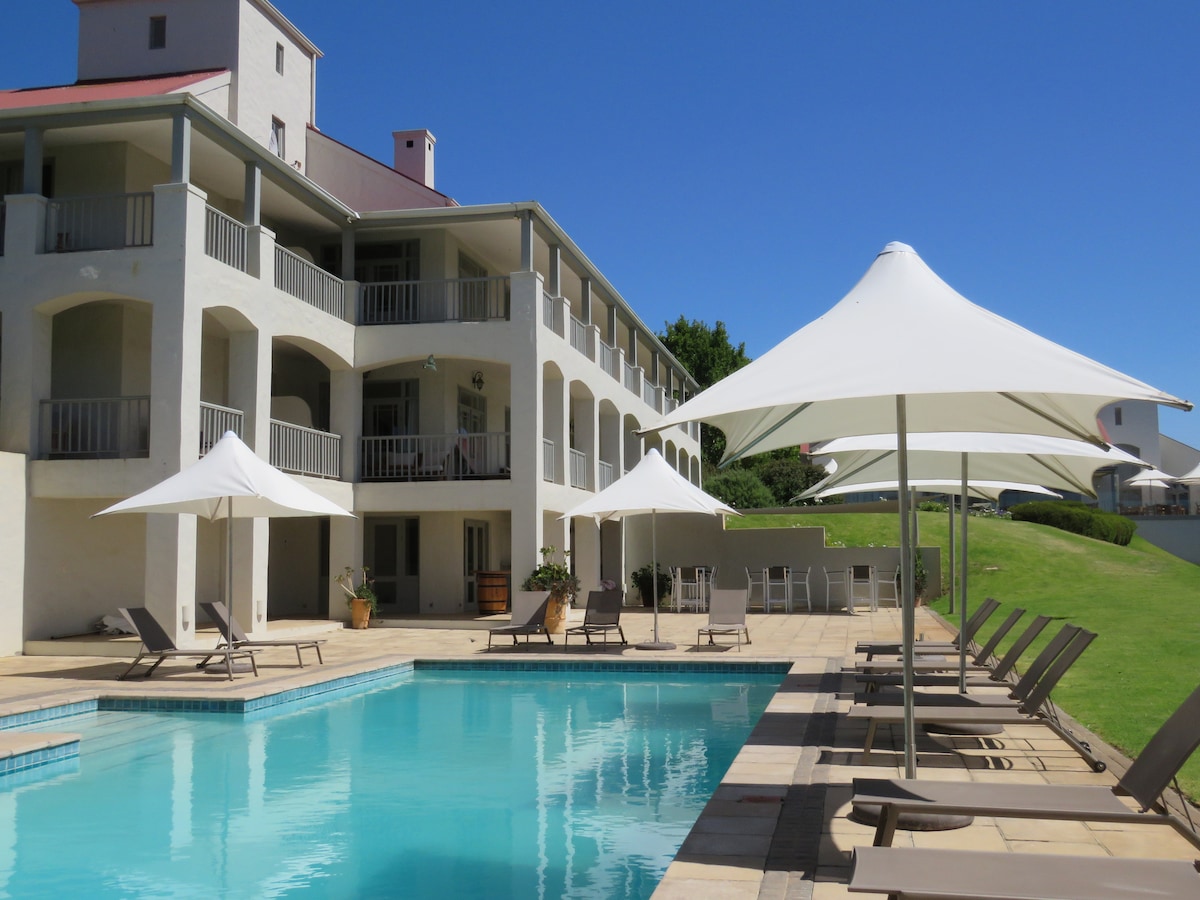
12, 552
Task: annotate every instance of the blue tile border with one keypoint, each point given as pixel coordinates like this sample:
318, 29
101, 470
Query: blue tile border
680, 667
47, 714
32, 759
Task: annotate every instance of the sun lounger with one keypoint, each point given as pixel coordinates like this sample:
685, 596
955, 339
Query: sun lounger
1017, 695
157, 643
1145, 781
974, 623
232, 634
996, 676
535, 624
602, 616
1034, 710
909, 873
726, 615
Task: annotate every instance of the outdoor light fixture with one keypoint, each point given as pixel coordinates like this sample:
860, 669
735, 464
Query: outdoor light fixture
477, 380
187, 617
431, 363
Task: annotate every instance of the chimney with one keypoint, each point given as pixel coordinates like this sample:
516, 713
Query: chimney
414, 155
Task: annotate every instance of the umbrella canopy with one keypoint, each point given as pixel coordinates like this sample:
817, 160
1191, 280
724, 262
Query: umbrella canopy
855, 371
984, 489
229, 482
840, 374
652, 487
229, 471
1192, 476
1151, 477
1035, 459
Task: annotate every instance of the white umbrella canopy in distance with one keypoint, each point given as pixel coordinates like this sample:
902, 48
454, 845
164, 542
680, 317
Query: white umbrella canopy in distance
857, 370
229, 481
981, 489
653, 487
1151, 477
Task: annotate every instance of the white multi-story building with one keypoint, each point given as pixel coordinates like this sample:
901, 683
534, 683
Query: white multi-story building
183, 252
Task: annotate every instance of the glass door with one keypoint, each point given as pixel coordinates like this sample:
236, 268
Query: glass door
392, 553
475, 558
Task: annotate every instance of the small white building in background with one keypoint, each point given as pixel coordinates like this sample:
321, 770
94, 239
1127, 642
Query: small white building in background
182, 252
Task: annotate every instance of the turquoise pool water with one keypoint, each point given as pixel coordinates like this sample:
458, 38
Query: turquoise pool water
440, 784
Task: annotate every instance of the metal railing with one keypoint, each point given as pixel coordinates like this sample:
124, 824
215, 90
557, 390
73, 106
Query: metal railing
109, 222
607, 476
650, 395
579, 469
102, 428
547, 310
436, 457
215, 421
606, 357
549, 470
579, 335
305, 451
297, 276
630, 380
444, 300
224, 239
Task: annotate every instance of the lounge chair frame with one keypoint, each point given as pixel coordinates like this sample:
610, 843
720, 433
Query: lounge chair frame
536, 624
602, 616
157, 643
726, 616
233, 635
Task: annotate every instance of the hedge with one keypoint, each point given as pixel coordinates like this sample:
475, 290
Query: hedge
1073, 516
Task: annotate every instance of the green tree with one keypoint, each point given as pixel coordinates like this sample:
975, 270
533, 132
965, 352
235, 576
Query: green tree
709, 355
786, 473
741, 489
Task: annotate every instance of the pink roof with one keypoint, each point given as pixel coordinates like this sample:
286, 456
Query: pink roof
101, 90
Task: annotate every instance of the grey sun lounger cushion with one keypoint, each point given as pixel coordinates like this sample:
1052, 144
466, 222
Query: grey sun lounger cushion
911, 873
536, 624
157, 644
1144, 781
602, 616
233, 635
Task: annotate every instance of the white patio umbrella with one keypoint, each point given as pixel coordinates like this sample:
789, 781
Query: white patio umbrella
229, 482
867, 365
983, 489
651, 487
1151, 478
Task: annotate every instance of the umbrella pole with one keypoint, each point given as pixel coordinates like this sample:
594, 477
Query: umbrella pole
908, 596
962, 589
655, 644
952, 568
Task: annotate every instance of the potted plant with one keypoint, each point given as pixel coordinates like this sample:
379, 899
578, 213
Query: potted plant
359, 597
644, 579
557, 579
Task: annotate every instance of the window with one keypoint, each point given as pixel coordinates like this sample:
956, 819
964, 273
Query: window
1117, 416
279, 58
158, 32
276, 144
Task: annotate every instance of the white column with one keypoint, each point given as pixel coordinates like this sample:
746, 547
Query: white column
250, 391
526, 412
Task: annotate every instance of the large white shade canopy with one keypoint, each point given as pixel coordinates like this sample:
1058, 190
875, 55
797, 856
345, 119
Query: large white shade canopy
1035, 459
229, 477
840, 374
983, 489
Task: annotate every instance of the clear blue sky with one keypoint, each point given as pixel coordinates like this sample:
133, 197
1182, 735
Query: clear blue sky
744, 162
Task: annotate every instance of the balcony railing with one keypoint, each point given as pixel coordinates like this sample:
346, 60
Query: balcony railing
579, 335
110, 222
305, 451
650, 395
606, 358
579, 469
630, 380
224, 239
215, 421
547, 310
436, 457
303, 280
445, 300
549, 470
104, 428
606, 475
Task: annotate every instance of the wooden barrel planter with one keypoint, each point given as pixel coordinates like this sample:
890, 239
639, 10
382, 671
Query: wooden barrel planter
491, 592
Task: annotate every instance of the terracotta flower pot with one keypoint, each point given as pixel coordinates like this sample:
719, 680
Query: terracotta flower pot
360, 613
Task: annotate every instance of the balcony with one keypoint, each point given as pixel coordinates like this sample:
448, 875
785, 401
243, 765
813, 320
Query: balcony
606, 475
579, 469
215, 421
436, 457
305, 451
110, 222
305, 281
224, 239
102, 428
445, 300
549, 469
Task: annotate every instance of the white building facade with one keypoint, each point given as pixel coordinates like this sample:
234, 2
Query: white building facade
183, 253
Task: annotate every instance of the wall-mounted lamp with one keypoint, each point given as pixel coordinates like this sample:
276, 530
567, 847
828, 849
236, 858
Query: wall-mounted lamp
477, 380
431, 363
260, 609
187, 616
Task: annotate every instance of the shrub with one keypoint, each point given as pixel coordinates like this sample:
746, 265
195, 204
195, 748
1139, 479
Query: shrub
786, 477
1076, 517
932, 506
741, 489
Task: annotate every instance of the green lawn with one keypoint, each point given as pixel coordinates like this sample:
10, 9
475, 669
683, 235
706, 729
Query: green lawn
1142, 602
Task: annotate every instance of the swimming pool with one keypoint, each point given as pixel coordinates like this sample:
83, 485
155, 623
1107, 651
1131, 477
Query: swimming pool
439, 783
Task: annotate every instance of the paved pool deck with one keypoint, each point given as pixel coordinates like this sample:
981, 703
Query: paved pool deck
775, 829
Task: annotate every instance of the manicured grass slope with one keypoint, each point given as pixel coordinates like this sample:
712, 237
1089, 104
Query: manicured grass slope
1142, 602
